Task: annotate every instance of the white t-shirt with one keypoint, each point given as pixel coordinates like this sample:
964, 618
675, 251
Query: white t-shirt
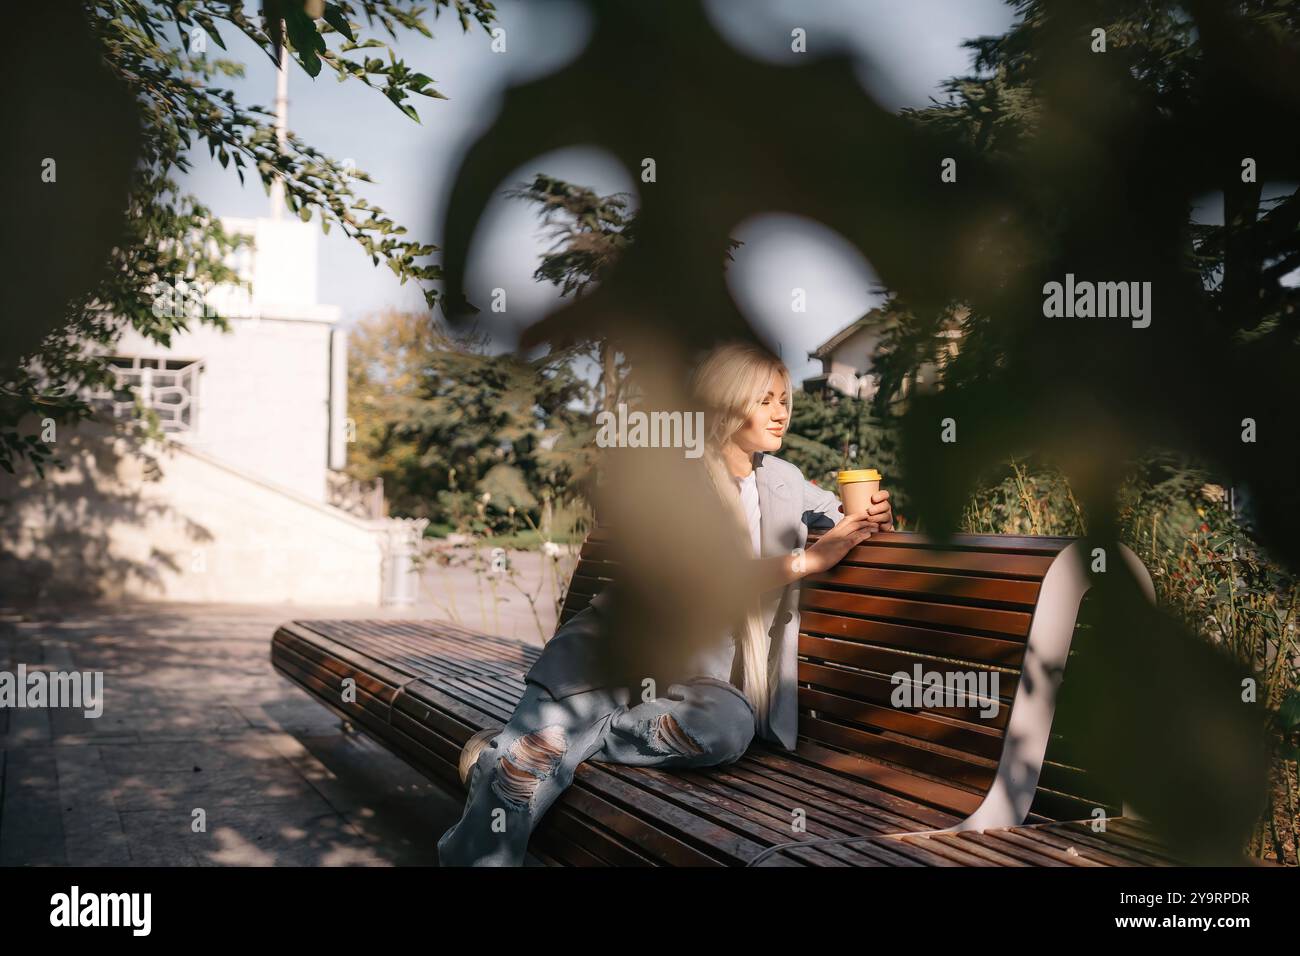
749, 504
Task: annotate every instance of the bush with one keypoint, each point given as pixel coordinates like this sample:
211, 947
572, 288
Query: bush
1206, 568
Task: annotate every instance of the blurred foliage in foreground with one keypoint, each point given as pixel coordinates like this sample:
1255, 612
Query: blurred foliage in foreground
1086, 136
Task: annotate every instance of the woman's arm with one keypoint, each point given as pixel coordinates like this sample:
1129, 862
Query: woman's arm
822, 508
829, 550
822, 511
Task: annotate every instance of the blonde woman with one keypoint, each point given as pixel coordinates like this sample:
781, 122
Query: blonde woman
744, 685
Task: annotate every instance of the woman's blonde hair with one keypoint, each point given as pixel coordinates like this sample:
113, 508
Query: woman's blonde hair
726, 385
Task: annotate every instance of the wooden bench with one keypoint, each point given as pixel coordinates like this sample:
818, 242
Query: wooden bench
865, 772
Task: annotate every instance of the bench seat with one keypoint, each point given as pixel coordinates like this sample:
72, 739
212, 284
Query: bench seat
424, 706
888, 778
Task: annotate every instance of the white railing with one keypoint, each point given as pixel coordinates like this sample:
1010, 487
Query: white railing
365, 499
167, 386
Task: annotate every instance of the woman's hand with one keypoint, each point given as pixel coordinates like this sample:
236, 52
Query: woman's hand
881, 511
832, 546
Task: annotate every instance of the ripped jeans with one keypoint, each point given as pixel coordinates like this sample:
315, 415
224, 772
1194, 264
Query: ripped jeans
701, 722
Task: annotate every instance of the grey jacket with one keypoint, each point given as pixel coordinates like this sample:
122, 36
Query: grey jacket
789, 506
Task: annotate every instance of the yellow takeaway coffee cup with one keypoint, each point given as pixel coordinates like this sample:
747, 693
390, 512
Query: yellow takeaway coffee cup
856, 488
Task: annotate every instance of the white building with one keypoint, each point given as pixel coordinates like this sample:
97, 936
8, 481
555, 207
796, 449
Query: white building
269, 397
848, 358
240, 502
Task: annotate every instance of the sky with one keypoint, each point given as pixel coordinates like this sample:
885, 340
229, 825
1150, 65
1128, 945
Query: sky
904, 50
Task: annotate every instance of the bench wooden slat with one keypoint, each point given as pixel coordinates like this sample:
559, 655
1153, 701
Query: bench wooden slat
1023, 856
686, 793
776, 814
373, 698
883, 776
341, 659
852, 631
1062, 844
437, 649
904, 755
1028, 567
601, 797
918, 851
1112, 843
962, 855
851, 658
1042, 545
361, 712
874, 691
1137, 831
977, 845
1035, 850
824, 816
952, 588
573, 835
872, 718
1050, 805
841, 796
988, 620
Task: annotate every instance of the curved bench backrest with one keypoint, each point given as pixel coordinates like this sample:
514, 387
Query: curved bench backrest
911, 653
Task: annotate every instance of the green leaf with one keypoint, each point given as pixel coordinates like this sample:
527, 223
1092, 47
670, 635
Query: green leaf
335, 18
1288, 715
211, 29
306, 39
310, 62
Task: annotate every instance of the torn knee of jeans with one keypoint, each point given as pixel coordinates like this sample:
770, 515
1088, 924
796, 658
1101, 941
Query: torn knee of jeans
667, 736
530, 759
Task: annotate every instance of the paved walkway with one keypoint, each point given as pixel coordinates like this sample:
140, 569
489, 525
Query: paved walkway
203, 756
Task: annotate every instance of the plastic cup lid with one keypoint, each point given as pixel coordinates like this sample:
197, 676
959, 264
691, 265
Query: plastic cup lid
858, 474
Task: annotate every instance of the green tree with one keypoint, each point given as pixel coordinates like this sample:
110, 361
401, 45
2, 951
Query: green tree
162, 65
588, 233
444, 422
1158, 58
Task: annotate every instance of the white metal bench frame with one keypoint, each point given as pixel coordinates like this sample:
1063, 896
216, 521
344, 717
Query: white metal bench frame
1047, 650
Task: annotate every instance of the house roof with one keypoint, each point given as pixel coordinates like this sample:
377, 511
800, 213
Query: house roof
839, 338
871, 318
